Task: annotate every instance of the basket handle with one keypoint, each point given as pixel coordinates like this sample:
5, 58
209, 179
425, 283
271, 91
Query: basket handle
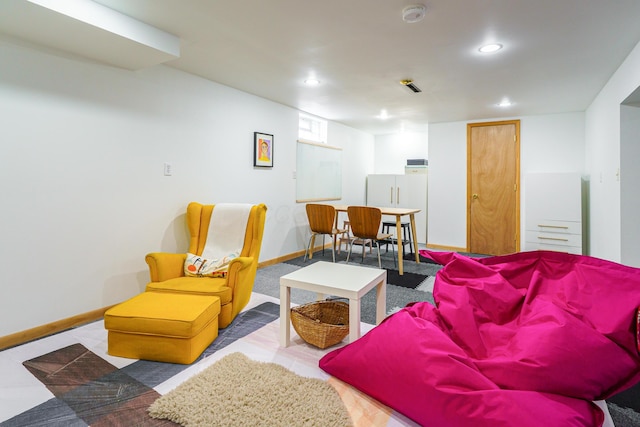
299, 313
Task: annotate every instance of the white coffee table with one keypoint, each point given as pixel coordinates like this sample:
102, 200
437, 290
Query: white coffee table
342, 280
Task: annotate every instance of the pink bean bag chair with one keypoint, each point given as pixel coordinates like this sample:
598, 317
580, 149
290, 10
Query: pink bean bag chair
528, 339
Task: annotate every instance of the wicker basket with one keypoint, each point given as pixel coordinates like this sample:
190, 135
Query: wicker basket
321, 323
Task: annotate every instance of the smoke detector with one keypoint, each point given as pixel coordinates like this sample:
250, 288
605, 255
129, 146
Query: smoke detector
414, 13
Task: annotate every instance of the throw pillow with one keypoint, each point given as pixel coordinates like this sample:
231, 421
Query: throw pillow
197, 266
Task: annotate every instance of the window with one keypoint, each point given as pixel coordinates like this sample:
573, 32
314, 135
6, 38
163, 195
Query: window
312, 129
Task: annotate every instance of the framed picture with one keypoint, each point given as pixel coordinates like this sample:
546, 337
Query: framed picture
262, 150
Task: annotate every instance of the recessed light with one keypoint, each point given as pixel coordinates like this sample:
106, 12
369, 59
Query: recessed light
312, 82
490, 48
504, 103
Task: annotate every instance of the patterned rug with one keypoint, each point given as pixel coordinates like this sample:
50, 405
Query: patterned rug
90, 391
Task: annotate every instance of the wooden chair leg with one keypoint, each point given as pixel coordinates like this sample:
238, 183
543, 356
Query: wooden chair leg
349, 253
307, 253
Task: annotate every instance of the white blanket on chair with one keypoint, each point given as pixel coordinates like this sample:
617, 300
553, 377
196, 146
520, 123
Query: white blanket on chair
227, 229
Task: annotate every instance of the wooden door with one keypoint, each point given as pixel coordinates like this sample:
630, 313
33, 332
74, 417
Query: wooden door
493, 187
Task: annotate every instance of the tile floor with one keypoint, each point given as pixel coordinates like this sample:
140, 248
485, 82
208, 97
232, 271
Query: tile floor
21, 391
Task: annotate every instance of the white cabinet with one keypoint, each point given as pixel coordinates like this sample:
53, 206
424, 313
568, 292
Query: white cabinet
401, 191
554, 212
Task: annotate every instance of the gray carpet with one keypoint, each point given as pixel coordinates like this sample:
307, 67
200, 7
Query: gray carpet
268, 281
624, 408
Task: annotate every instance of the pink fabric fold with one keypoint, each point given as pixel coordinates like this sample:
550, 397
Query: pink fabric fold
533, 337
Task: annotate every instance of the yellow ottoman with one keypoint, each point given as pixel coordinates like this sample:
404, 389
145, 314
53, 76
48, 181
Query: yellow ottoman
163, 327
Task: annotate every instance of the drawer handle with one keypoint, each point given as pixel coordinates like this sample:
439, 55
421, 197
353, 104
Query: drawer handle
564, 227
553, 238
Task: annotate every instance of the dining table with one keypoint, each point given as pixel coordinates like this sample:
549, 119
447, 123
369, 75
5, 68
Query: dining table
398, 213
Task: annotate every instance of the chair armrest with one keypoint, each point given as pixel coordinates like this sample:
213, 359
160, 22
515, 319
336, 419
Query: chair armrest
238, 268
241, 276
164, 266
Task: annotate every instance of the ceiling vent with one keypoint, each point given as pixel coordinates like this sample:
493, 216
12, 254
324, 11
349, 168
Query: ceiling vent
410, 85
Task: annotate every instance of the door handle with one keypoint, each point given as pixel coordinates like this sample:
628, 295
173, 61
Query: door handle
398, 195
475, 196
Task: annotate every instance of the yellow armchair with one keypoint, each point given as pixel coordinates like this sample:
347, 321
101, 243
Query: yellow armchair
167, 269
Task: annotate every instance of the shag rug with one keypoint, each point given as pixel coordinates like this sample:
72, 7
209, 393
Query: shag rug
237, 391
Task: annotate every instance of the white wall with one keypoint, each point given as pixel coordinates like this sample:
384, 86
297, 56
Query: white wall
552, 143
629, 201
548, 143
447, 206
603, 159
392, 151
82, 148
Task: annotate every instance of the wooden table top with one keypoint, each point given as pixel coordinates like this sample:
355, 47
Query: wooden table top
384, 210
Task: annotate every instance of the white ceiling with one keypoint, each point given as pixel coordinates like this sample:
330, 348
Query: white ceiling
557, 54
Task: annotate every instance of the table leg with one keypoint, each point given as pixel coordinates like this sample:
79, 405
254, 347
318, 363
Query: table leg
285, 315
414, 236
354, 319
400, 246
381, 301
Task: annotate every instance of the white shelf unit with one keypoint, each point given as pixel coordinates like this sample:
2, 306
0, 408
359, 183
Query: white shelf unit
401, 191
554, 212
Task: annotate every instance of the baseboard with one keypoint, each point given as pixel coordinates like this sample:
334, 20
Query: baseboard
446, 248
328, 246
51, 328
292, 255
280, 259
